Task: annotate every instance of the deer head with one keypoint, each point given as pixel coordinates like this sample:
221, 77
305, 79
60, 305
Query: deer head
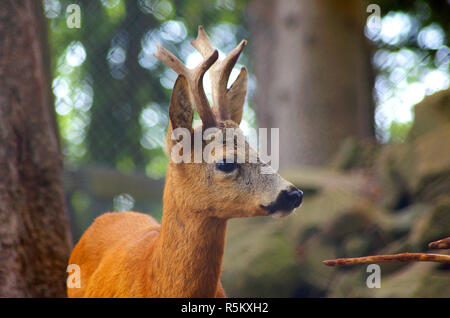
219, 185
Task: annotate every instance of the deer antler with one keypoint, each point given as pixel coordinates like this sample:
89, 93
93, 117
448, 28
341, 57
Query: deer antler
195, 81
220, 73
403, 257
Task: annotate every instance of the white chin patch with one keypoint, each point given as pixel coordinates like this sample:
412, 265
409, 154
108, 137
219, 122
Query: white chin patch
280, 214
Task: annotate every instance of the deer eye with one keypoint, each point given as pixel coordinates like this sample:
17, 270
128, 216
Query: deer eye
226, 166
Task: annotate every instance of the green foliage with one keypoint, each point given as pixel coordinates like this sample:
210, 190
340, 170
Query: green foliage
398, 131
111, 94
411, 60
106, 79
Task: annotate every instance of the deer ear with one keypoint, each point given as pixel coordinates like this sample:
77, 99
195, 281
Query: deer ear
181, 113
236, 96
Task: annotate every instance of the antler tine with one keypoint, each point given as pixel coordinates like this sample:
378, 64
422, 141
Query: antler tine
195, 80
202, 43
220, 71
170, 60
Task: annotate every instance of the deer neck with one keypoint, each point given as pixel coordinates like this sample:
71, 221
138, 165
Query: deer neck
189, 250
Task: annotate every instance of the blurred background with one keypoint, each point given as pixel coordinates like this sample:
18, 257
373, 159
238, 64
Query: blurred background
359, 90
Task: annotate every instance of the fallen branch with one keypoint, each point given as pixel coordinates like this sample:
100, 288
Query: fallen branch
444, 244
403, 257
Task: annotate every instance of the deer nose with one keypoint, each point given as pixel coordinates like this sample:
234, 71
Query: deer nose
290, 199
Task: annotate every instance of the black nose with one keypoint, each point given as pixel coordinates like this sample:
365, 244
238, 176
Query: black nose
290, 199
287, 200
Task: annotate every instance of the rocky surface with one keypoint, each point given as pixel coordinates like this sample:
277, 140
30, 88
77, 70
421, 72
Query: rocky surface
370, 200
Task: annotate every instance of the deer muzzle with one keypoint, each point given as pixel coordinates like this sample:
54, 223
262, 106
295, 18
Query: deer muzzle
285, 203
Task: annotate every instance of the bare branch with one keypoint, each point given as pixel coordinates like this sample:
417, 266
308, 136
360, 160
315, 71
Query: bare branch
441, 244
403, 257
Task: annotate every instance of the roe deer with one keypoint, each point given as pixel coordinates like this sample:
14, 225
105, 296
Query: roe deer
129, 254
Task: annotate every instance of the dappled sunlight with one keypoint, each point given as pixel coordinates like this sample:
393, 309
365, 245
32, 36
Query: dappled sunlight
158, 112
405, 75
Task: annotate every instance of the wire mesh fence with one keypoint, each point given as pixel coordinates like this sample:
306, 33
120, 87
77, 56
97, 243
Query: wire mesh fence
112, 95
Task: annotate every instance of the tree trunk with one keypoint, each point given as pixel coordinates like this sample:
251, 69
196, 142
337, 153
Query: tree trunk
35, 240
312, 64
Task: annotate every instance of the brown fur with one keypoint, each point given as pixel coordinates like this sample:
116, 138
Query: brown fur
115, 265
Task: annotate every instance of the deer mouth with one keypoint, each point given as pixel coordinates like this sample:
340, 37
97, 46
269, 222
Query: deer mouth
276, 214
280, 214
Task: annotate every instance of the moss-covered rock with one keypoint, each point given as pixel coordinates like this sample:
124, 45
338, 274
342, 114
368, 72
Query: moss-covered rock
432, 112
397, 204
432, 225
